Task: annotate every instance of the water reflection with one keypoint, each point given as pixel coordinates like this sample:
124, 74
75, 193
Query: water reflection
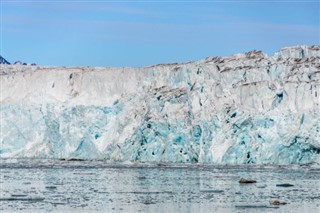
49, 185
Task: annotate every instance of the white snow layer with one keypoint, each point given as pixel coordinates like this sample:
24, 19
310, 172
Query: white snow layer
240, 109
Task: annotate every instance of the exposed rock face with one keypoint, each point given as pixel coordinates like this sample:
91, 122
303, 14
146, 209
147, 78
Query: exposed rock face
239, 109
23, 63
3, 60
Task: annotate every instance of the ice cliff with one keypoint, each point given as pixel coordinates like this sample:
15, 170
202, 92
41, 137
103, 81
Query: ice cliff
246, 108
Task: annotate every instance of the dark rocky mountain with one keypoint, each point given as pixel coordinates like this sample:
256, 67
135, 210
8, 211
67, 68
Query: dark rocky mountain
3, 60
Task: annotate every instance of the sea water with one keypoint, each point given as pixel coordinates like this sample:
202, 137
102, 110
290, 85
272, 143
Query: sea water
44, 185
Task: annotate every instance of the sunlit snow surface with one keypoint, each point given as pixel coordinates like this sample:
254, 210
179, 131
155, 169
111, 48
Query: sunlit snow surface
96, 186
241, 109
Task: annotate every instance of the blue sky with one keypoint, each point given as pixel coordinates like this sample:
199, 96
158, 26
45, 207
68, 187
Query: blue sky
141, 33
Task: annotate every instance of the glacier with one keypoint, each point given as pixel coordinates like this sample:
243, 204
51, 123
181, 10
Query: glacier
246, 108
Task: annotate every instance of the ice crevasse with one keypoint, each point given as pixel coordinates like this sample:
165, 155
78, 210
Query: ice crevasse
247, 108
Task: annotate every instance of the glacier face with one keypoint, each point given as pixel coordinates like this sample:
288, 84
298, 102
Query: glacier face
246, 108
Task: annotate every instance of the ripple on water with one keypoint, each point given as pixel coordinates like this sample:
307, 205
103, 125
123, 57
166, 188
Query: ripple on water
104, 187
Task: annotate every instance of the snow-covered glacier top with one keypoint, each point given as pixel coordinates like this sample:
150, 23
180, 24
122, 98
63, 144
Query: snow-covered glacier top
246, 108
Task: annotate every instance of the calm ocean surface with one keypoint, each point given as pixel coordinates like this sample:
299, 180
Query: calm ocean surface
96, 186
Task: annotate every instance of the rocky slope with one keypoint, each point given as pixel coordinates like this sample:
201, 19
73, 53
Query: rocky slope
239, 109
3, 60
